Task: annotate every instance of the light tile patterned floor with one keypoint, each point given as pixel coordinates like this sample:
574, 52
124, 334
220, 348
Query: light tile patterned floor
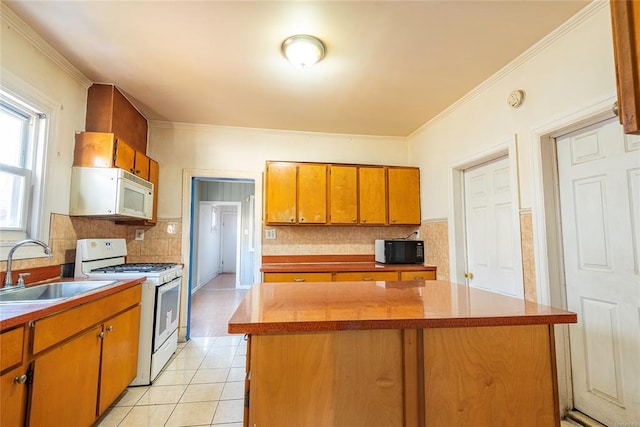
202, 385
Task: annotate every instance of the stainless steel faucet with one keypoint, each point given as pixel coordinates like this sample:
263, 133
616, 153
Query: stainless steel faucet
47, 250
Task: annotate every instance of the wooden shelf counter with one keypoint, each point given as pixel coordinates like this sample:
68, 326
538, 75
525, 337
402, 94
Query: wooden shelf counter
417, 353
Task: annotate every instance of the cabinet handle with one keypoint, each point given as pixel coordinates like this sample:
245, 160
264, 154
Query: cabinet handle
367, 278
418, 278
101, 335
110, 328
298, 279
22, 379
353, 220
364, 219
393, 221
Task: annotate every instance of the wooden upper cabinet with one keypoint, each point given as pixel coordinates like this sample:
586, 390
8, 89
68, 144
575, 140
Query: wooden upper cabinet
625, 18
280, 200
103, 150
372, 195
343, 194
109, 111
106, 150
312, 194
404, 195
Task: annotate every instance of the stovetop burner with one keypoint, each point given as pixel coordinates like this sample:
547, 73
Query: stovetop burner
135, 268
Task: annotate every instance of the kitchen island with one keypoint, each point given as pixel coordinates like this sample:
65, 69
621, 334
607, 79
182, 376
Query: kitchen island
397, 354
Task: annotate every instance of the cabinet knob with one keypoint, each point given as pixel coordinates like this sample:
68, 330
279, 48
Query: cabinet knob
101, 335
301, 219
21, 379
353, 220
364, 219
393, 221
293, 220
110, 328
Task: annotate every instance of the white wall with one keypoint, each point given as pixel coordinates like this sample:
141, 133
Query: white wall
46, 72
177, 147
563, 74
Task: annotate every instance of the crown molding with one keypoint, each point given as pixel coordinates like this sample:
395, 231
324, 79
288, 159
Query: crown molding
550, 39
16, 23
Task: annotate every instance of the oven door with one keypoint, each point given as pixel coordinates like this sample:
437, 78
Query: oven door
166, 311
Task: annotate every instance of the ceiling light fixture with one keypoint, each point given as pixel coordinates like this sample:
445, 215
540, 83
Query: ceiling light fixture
303, 50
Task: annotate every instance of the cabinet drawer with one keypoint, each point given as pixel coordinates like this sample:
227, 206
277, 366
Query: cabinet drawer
417, 275
367, 276
297, 277
12, 344
58, 327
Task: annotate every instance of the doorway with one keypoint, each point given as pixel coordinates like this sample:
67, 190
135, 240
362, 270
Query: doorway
220, 187
587, 190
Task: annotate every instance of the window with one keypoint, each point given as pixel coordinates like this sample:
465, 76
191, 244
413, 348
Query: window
22, 137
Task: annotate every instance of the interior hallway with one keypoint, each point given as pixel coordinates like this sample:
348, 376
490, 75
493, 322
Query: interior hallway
213, 304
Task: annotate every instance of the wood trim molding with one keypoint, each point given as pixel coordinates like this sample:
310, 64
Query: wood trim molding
625, 21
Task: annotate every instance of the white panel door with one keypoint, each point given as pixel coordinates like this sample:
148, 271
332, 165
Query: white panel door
229, 241
492, 253
599, 180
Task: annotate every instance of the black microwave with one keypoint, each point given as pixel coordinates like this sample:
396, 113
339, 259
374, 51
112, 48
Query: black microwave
399, 251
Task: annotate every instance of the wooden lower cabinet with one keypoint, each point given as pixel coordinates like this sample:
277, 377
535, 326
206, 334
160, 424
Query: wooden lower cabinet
77, 361
297, 277
13, 387
65, 381
366, 276
13, 398
119, 362
417, 275
327, 379
476, 376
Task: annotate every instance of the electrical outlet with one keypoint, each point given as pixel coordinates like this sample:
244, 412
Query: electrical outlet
140, 234
418, 235
270, 234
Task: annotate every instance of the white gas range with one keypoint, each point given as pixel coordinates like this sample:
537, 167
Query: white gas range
105, 259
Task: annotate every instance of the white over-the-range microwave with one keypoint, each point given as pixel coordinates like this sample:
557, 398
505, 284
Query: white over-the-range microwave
111, 193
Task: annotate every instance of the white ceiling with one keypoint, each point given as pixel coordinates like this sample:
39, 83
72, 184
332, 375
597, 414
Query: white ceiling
390, 65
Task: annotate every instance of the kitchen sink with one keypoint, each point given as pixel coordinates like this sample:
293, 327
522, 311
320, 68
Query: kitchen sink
51, 292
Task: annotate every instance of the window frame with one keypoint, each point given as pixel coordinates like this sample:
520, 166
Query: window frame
40, 197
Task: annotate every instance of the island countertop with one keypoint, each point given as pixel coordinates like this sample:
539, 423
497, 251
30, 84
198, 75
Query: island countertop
271, 308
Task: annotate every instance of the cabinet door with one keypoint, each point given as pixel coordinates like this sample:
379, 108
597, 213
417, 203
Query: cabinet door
297, 277
141, 165
312, 194
417, 275
124, 157
281, 193
343, 194
65, 381
372, 195
404, 196
94, 149
119, 356
13, 398
367, 276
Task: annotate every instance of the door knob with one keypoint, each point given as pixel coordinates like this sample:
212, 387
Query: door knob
468, 276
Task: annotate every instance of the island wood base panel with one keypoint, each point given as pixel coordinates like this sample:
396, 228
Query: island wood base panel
483, 376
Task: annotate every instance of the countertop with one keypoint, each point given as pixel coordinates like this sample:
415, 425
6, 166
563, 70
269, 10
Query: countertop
17, 314
331, 267
335, 306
